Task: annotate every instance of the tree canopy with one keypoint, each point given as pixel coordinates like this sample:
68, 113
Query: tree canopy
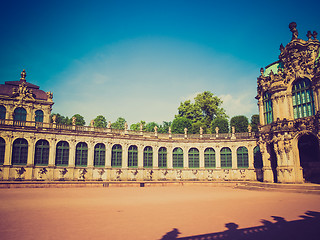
79, 120
255, 122
240, 123
203, 111
221, 123
180, 123
100, 121
136, 126
119, 124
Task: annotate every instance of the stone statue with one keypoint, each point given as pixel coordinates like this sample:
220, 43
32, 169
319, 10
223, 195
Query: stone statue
217, 130
315, 34
49, 95
233, 129
309, 35
262, 71
74, 121
141, 127
294, 30
126, 126
155, 129
201, 130
249, 128
185, 131
92, 123
169, 130
54, 118
109, 124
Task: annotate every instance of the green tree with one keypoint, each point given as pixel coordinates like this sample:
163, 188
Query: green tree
205, 108
221, 123
150, 126
79, 120
119, 124
164, 128
136, 126
100, 121
60, 119
255, 122
240, 123
195, 129
210, 107
180, 123
190, 111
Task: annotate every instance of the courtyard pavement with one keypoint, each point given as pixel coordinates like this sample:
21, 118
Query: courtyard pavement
173, 212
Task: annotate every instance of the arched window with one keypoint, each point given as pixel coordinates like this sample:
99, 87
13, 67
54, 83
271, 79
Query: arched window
193, 158
257, 158
302, 98
99, 155
41, 154
267, 108
2, 150
116, 156
20, 114
62, 153
39, 116
226, 157
20, 152
81, 154
177, 158
242, 157
162, 157
2, 112
147, 157
209, 158
133, 156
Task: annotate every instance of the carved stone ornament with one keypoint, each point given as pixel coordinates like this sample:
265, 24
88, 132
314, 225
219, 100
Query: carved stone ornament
296, 60
22, 93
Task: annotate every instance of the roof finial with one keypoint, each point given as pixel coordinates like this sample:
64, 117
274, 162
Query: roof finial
23, 75
294, 31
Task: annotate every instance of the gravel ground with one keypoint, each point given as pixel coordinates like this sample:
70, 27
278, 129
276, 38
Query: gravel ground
142, 213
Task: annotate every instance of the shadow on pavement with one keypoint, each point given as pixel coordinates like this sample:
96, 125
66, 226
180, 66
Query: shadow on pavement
308, 228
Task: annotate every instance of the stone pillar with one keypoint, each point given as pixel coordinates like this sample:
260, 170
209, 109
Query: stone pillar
275, 107
31, 149
290, 107
234, 157
125, 155
7, 157
217, 150
52, 152
185, 157
91, 146
251, 156
201, 157
316, 94
8, 151
155, 156
261, 116
169, 157
72, 153
108, 154
140, 155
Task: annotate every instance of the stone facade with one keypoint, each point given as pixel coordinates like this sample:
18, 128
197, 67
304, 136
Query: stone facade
288, 99
33, 149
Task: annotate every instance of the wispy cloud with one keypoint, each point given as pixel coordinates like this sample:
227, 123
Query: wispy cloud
146, 79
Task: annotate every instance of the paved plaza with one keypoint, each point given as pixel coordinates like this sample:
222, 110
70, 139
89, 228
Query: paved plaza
172, 212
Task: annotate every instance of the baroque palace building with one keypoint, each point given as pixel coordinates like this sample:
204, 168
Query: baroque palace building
34, 148
289, 103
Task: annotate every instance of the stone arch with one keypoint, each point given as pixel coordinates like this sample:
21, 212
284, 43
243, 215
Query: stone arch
309, 156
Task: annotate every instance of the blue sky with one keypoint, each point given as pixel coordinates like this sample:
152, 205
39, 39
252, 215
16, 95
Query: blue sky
140, 59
